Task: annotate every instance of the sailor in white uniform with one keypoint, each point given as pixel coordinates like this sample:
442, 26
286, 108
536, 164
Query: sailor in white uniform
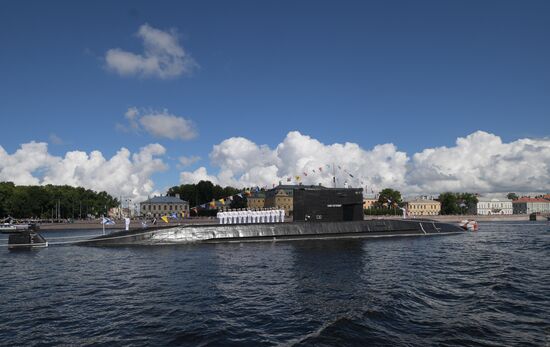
276, 214
219, 216
282, 216
229, 217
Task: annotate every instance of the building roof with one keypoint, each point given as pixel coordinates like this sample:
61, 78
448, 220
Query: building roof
495, 199
526, 199
257, 195
425, 201
164, 200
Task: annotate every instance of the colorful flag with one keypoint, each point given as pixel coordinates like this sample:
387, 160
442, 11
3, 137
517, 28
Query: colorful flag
107, 221
174, 215
222, 201
164, 218
212, 204
297, 178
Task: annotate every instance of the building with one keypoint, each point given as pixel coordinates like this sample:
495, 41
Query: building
423, 207
256, 200
488, 206
369, 202
320, 204
281, 197
526, 205
159, 206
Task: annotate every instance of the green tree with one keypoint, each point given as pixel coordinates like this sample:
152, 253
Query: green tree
512, 196
389, 197
457, 203
449, 203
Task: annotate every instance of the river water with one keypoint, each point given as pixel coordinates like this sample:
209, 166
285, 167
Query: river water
490, 288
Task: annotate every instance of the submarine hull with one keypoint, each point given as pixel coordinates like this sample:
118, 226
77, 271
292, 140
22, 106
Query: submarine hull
213, 233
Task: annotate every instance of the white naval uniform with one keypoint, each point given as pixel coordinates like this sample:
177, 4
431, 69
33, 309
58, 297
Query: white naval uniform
282, 216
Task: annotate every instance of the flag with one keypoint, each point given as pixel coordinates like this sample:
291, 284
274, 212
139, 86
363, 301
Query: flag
230, 198
313, 170
297, 178
212, 204
320, 169
240, 195
174, 215
305, 173
107, 221
164, 218
350, 175
222, 201
289, 179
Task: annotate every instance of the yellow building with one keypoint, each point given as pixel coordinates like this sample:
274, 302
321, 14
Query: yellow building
423, 207
280, 197
368, 203
256, 200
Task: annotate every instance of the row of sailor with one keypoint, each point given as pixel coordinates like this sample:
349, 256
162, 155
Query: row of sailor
251, 216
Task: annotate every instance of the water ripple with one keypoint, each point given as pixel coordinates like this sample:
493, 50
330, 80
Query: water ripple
478, 289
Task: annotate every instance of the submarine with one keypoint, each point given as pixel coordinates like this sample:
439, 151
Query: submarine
319, 213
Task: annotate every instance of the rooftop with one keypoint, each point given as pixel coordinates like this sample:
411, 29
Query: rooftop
164, 200
526, 199
494, 199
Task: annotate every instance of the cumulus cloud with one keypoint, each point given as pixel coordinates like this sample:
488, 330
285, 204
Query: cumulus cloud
479, 162
186, 161
162, 57
124, 174
159, 124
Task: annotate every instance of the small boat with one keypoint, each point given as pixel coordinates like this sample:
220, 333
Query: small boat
469, 225
7, 228
26, 239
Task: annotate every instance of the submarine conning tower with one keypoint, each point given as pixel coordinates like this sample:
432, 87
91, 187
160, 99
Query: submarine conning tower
322, 204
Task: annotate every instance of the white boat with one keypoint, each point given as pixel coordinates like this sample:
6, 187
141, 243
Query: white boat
7, 228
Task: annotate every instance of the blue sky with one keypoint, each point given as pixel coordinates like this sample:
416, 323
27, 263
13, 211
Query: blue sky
418, 74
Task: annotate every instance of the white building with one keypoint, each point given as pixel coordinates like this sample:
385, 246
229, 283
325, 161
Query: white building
488, 206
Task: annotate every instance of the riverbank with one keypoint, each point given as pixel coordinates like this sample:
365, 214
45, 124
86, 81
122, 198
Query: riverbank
95, 224
479, 218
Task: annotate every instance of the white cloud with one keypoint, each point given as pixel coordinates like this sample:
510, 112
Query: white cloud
480, 162
56, 140
163, 56
159, 124
125, 174
186, 161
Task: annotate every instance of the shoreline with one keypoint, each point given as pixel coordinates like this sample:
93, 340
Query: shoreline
95, 224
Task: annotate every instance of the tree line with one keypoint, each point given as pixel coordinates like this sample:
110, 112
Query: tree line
389, 201
52, 202
205, 191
